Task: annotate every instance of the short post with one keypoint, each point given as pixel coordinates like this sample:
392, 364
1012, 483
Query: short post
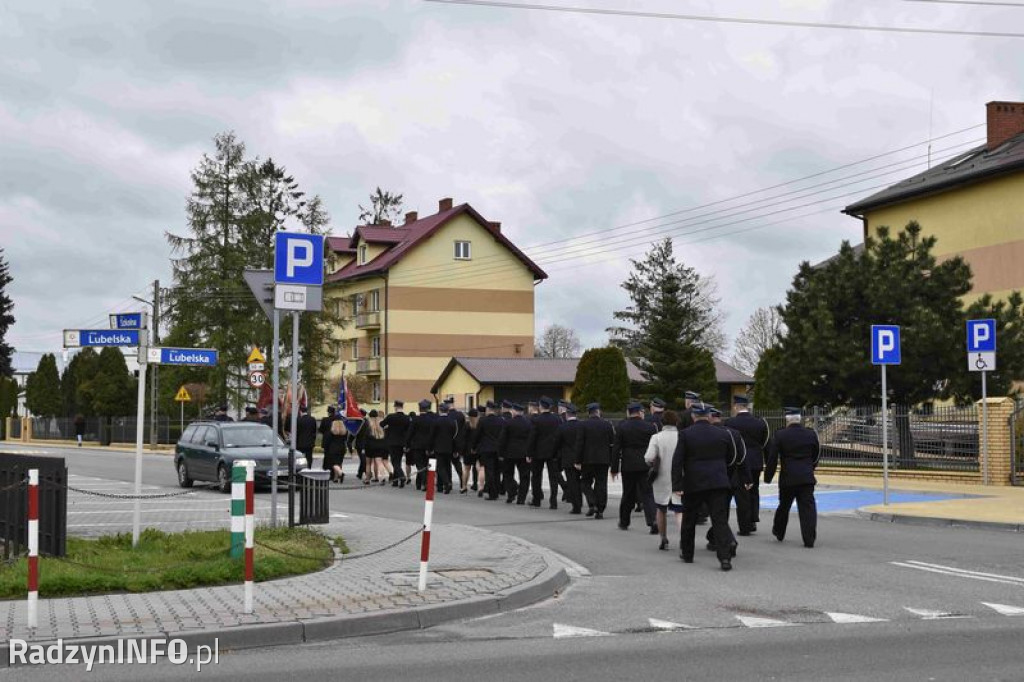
238, 499
428, 513
33, 548
250, 531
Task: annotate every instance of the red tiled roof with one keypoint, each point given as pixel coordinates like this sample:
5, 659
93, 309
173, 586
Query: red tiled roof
340, 245
381, 235
411, 234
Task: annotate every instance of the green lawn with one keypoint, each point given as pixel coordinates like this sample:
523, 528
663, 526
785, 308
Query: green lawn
167, 561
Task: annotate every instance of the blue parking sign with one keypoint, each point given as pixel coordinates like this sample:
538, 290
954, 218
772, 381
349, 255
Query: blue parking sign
885, 344
298, 258
981, 336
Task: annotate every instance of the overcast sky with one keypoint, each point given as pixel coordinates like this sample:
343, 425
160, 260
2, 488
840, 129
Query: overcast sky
559, 125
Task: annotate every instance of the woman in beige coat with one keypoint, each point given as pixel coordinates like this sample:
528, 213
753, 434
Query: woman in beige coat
659, 456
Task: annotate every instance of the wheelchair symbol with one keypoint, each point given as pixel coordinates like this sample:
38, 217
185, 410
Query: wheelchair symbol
980, 363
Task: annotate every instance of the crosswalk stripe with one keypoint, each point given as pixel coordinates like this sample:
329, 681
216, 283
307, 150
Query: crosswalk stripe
667, 625
561, 631
1005, 609
753, 622
928, 614
848, 618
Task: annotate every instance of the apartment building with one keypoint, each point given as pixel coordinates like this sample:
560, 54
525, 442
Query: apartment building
411, 296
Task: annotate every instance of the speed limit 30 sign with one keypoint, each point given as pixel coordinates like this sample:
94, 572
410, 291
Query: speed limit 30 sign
257, 379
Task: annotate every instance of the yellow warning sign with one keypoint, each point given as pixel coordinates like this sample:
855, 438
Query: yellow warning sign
183, 396
256, 355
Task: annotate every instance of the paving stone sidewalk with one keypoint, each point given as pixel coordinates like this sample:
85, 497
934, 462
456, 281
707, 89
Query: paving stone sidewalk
467, 563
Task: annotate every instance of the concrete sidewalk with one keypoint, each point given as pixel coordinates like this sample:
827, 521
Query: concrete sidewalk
474, 572
992, 507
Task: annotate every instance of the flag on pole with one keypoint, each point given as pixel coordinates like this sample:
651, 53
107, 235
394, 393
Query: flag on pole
348, 407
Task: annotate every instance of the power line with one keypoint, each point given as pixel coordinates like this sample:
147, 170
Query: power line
972, 2
727, 20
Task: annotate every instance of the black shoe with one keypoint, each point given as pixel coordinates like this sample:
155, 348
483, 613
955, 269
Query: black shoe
686, 560
732, 550
591, 512
521, 502
480, 493
777, 536
654, 530
621, 527
576, 511
664, 544
447, 491
553, 505
599, 515
401, 484
726, 564
534, 503
510, 500
809, 545
394, 483
744, 533
473, 487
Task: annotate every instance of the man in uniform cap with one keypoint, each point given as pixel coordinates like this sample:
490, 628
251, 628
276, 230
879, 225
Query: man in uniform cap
305, 433
565, 446
755, 433
512, 449
460, 437
700, 471
506, 409
417, 442
542, 448
485, 443
796, 450
443, 432
631, 440
563, 409
221, 415
594, 442
686, 416
396, 426
657, 410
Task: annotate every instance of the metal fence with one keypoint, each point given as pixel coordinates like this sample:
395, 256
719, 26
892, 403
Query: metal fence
53, 478
1017, 445
116, 430
15, 432
941, 439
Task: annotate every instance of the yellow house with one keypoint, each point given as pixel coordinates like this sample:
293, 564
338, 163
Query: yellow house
972, 204
412, 296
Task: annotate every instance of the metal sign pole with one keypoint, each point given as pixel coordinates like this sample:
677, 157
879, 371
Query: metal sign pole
984, 427
295, 418
140, 420
885, 439
274, 418
182, 416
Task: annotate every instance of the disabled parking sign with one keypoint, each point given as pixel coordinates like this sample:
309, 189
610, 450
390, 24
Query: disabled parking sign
981, 345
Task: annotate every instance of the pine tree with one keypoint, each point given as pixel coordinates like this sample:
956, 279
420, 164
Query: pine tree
6, 317
42, 391
385, 207
601, 376
111, 392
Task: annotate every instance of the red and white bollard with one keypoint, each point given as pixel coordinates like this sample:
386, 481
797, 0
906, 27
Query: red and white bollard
428, 513
33, 548
250, 531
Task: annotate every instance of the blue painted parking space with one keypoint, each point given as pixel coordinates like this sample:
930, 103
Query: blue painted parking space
850, 499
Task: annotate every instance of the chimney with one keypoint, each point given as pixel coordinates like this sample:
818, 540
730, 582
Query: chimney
1005, 120
444, 205
386, 222
495, 226
411, 217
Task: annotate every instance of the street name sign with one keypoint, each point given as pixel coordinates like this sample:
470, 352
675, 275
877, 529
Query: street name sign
191, 357
885, 344
127, 321
75, 338
981, 345
182, 396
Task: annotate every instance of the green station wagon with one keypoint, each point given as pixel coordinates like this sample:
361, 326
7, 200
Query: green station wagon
208, 450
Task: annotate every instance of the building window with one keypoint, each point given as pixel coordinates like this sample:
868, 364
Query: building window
375, 347
374, 301
462, 251
376, 392
355, 349
355, 305
362, 254
470, 401
449, 398
337, 350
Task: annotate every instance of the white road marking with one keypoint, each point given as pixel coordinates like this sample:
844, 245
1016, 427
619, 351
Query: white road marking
960, 573
928, 614
968, 572
753, 622
561, 631
336, 515
1005, 609
848, 618
666, 625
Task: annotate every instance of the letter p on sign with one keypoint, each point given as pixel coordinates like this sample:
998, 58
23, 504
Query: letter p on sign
885, 344
981, 336
298, 258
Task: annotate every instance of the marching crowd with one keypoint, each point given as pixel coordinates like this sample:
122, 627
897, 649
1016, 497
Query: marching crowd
691, 464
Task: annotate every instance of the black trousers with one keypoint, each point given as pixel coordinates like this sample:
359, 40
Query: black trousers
537, 469
418, 458
806, 507
508, 471
595, 486
444, 470
636, 488
573, 491
491, 483
396, 462
718, 509
755, 496
744, 509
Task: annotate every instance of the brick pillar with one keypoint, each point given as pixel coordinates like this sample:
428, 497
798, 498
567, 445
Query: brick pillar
999, 437
26, 429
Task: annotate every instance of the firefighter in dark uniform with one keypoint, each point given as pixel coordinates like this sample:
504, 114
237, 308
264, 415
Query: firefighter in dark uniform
512, 450
794, 449
543, 454
485, 444
700, 471
657, 410
563, 409
443, 431
631, 440
565, 446
396, 426
595, 439
755, 434
739, 478
686, 416
460, 420
417, 442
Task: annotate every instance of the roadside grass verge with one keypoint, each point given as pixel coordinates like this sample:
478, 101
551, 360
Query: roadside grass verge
168, 561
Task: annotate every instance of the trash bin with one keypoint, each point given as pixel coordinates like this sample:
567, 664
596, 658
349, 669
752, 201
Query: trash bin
314, 496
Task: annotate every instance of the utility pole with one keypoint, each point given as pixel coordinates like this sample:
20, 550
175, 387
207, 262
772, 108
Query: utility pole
153, 435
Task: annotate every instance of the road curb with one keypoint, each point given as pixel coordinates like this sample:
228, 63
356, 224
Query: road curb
936, 522
546, 585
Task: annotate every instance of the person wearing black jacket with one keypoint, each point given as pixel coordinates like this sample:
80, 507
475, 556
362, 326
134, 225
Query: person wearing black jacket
755, 434
796, 450
324, 429
686, 416
417, 442
305, 434
657, 412
459, 447
631, 440
485, 444
544, 454
471, 470
512, 449
565, 446
443, 431
594, 442
372, 442
396, 425
700, 472
739, 479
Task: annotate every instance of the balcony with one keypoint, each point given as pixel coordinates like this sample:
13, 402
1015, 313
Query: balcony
368, 320
368, 366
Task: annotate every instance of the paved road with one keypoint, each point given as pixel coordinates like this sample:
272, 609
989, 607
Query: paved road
909, 587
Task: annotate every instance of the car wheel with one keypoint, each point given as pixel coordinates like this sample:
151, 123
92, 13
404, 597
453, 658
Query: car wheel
223, 479
184, 480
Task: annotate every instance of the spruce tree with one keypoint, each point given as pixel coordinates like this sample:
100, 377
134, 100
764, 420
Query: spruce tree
6, 317
42, 391
601, 376
111, 392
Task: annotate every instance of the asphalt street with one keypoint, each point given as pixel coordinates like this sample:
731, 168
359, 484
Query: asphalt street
870, 601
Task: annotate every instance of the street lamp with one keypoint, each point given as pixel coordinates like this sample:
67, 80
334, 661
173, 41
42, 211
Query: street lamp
155, 338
